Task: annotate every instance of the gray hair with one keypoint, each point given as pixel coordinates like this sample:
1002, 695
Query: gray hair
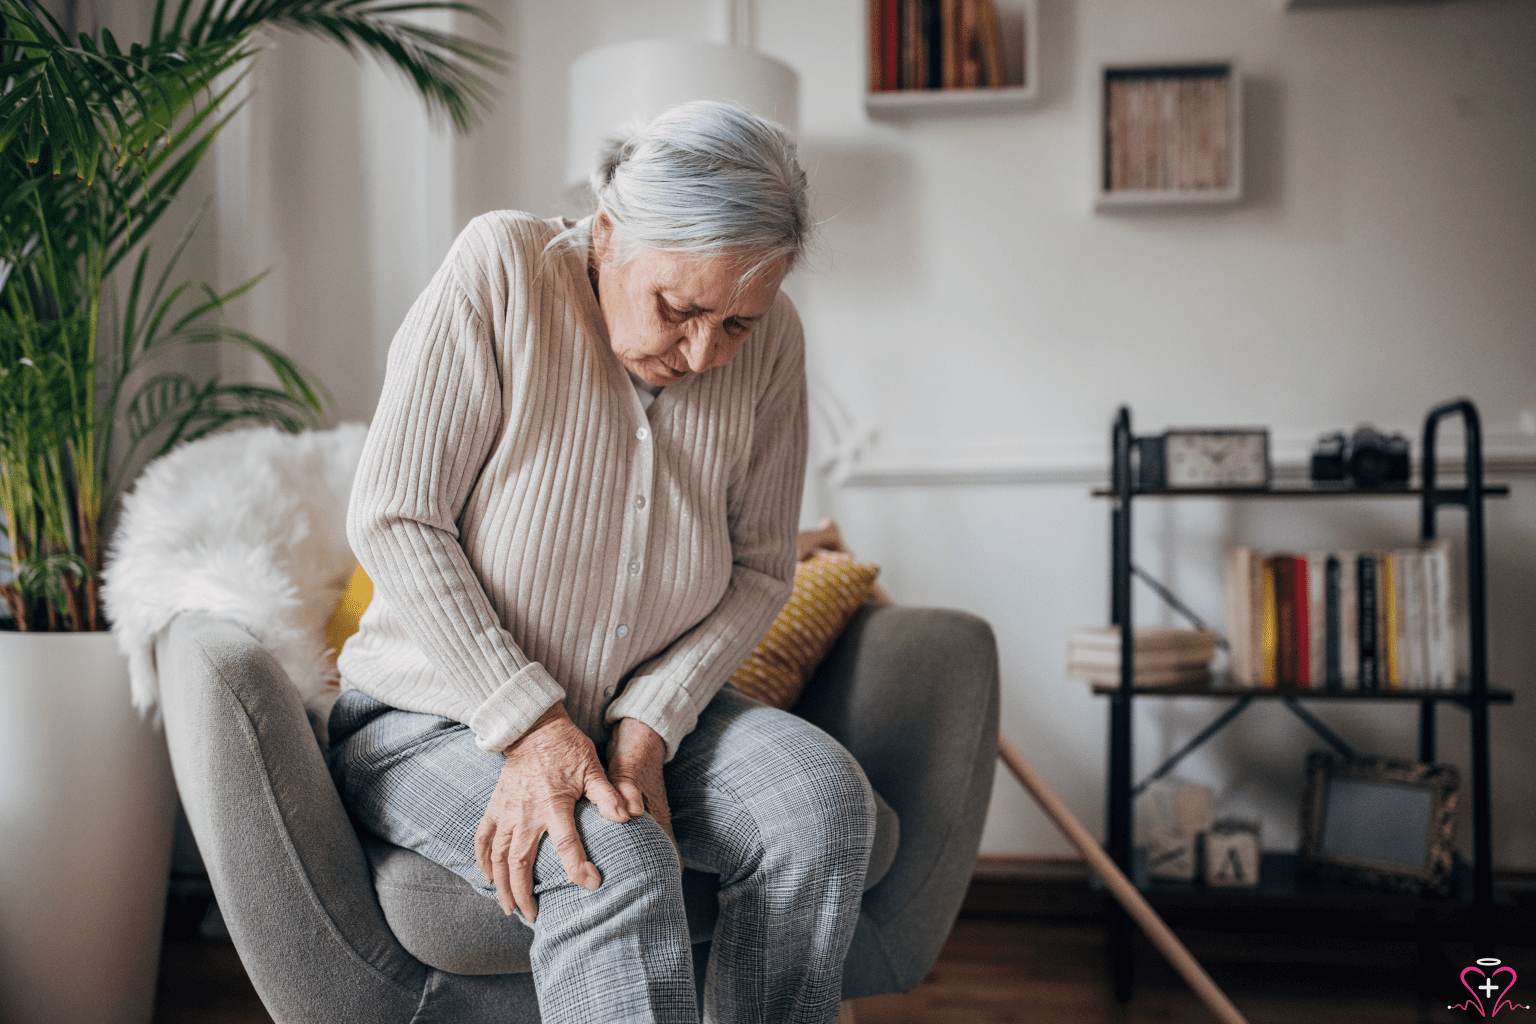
708, 179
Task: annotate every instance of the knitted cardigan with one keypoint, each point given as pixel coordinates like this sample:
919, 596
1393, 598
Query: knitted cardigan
535, 535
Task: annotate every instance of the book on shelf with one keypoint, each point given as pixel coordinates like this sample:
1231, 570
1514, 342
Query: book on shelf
1332, 617
1146, 640
1440, 640
1268, 642
1367, 591
913, 66
934, 44
1176, 676
1163, 656
949, 51
965, 44
1317, 619
888, 53
1285, 619
1395, 569
874, 26
1342, 620
1167, 129
1240, 609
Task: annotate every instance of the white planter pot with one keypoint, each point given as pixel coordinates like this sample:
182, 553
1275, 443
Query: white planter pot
87, 809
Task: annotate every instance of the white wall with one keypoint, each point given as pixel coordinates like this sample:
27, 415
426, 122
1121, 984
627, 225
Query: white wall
977, 315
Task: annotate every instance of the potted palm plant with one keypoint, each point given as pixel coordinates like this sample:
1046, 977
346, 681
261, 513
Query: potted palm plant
98, 137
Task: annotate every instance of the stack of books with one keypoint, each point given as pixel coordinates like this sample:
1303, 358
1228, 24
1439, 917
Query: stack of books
1167, 130
1164, 656
1342, 620
933, 44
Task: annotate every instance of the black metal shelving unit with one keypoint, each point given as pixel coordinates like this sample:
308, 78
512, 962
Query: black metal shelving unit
1472, 693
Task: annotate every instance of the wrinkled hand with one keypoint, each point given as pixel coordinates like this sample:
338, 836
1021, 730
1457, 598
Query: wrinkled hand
635, 756
546, 771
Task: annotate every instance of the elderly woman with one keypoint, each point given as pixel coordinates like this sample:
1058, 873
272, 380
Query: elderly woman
578, 504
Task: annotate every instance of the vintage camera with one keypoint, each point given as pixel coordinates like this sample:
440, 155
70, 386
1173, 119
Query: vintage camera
1368, 458
1328, 463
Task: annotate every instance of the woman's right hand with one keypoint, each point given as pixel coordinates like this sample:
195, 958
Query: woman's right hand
546, 771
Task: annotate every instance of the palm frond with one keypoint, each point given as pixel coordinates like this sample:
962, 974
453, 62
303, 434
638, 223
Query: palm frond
441, 66
71, 95
97, 139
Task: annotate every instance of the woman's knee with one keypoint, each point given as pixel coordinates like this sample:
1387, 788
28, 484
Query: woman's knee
814, 794
832, 796
755, 782
635, 854
640, 893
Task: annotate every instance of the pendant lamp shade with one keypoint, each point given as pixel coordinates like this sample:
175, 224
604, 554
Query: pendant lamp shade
629, 83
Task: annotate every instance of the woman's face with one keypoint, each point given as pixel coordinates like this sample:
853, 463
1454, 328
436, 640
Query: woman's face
672, 314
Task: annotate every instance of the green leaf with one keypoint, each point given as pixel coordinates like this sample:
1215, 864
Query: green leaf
130, 336
11, 125
33, 147
215, 303
155, 400
18, 66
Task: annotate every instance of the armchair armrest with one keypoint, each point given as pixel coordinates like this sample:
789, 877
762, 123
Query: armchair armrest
286, 866
913, 694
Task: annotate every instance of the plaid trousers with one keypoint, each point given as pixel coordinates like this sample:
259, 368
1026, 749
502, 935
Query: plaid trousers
764, 799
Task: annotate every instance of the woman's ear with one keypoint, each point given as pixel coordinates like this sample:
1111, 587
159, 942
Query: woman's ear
602, 236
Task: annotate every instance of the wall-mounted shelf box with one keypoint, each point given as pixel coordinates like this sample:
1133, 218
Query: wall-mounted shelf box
1170, 134
1314, 5
1018, 22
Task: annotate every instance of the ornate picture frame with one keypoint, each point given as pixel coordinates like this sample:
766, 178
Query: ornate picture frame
1387, 824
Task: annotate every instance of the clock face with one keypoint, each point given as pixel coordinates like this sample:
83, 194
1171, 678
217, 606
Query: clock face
1217, 458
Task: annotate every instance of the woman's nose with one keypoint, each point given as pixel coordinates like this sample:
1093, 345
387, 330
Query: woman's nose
700, 346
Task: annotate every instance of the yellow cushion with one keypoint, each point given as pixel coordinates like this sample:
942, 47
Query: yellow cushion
828, 590
349, 610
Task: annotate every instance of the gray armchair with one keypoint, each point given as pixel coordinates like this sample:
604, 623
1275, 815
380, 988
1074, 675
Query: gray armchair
333, 926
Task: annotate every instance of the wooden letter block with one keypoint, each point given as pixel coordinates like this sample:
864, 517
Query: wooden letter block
1232, 854
1171, 855
1192, 809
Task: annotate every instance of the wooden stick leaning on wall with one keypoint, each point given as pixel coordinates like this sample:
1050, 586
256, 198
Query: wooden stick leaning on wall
1166, 942
827, 537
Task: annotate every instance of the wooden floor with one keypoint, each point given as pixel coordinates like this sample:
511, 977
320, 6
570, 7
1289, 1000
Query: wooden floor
1026, 971
1017, 972
202, 982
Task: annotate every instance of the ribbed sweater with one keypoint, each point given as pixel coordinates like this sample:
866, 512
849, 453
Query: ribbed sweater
535, 535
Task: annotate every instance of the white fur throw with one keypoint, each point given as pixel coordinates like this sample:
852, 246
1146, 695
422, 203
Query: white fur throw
250, 526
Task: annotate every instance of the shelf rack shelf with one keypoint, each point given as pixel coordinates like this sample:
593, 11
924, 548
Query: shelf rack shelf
1283, 886
1443, 495
903, 102
1021, 17
1220, 685
1472, 694
1172, 148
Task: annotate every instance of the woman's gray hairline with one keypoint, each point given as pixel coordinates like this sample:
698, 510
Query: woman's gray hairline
576, 240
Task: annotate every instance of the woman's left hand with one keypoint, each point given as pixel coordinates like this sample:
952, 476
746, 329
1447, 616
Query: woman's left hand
636, 753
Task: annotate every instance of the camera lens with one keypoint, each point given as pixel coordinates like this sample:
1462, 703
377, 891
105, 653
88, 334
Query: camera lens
1369, 467
1376, 459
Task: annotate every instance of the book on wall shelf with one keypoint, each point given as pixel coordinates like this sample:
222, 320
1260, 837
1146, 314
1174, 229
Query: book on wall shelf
1163, 656
1171, 134
1372, 621
938, 55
